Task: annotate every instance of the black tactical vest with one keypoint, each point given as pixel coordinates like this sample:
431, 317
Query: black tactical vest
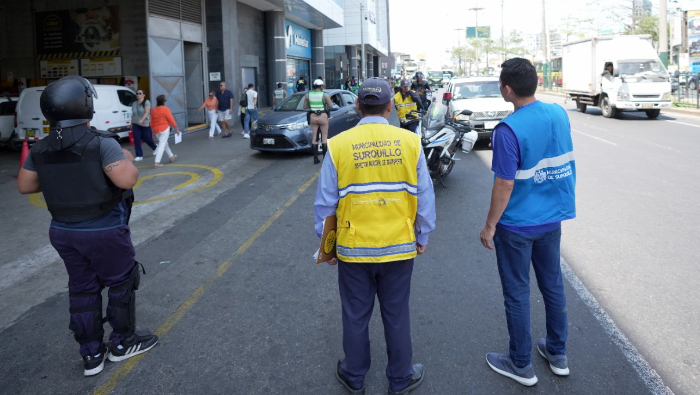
75, 187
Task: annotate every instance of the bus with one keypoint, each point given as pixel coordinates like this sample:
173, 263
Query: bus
554, 71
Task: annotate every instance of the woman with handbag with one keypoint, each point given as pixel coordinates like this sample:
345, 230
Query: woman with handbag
161, 121
212, 103
140, 124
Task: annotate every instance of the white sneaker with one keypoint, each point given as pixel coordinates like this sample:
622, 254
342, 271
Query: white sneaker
246, 136
138, 158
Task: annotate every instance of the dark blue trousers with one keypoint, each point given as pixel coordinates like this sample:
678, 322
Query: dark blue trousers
359, 283
142, 133
94, 260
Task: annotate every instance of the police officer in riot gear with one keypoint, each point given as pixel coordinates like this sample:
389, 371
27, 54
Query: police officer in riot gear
86, 179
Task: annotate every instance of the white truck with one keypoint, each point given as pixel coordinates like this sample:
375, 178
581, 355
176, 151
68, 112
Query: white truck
638, 81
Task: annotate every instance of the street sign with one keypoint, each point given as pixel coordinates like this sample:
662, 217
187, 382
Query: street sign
405, 58
484, 31
385, 65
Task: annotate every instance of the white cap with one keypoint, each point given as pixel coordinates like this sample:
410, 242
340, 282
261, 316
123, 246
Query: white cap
318, 82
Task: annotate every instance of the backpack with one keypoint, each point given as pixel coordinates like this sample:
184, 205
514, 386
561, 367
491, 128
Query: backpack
244, 101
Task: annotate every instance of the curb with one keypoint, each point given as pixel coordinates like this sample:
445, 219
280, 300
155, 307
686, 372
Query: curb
679, 110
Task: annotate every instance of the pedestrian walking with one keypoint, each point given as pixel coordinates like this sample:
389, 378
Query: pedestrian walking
211, 103
86, 178
533, 192
278, 95
242, 105
319, 105
251, 111
161, 121
141, 124
225, 98
385, 213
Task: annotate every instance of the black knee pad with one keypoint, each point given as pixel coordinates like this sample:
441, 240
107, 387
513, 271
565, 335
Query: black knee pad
96, 310
122, 315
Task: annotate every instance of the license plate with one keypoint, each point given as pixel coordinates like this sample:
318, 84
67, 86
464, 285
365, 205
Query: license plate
269, 141
490, 124
30, 133
647, 105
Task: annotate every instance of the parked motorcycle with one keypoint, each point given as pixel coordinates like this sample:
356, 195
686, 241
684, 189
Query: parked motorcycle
441, 137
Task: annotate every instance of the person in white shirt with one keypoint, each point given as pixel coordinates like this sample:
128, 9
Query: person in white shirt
251, 111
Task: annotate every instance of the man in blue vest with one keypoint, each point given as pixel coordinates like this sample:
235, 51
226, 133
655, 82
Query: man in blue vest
533, 192
375, 180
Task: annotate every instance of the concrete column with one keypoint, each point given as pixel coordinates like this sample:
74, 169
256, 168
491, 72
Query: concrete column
352, 58
276, 50
318, 60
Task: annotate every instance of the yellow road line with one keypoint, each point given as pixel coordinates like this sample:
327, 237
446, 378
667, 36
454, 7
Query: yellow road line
174, 318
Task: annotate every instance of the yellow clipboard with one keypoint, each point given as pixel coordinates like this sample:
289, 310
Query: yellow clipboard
326, 251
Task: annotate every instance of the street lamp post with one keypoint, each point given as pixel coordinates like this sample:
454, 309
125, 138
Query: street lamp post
476, 31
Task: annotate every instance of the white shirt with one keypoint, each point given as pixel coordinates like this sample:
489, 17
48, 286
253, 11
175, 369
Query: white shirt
252, 95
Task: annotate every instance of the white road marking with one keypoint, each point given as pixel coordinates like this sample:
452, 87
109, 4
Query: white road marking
683, 123
594, 137
651, 379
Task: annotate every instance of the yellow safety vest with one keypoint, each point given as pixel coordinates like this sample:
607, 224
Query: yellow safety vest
377, 188
404, 106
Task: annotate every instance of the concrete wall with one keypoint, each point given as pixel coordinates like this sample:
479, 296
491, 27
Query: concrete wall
252, 51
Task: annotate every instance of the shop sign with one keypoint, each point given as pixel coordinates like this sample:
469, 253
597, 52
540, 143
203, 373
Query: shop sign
298, 40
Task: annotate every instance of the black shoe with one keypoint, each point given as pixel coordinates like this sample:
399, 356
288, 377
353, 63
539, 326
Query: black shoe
95, 363
139, 342
416, 380
344, 381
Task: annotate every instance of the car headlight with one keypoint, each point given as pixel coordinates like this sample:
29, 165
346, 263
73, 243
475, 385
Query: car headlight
623, 96
462, 117
298, 126
666, 96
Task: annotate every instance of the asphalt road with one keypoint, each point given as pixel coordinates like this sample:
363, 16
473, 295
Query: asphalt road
241, 308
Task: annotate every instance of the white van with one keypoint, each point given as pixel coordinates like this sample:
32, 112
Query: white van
7, 117
112, 112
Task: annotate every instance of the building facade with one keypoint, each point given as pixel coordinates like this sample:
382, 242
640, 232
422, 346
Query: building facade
343, 45
179, 48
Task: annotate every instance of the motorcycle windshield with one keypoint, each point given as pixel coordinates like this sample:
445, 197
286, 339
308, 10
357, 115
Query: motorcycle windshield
435, 117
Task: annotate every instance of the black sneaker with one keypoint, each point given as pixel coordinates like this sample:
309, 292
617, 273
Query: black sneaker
95, 363
139, 342
346, 383
416, 380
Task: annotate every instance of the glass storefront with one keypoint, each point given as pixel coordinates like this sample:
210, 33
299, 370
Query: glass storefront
297, 68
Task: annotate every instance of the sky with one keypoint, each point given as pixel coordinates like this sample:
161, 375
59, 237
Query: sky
428, 26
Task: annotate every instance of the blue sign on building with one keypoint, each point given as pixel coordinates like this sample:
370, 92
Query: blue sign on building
298, 41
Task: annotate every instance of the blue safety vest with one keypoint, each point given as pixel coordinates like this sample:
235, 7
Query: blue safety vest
545, 181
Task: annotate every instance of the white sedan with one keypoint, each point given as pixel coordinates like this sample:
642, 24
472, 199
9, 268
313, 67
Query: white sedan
480, 95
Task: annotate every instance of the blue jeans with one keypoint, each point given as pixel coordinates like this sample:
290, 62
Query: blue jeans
142, 133
249, 113
514, 252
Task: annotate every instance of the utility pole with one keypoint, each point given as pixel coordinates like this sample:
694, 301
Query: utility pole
503, 35
663, 33
476, 30
362, 40
545, 54
459, 46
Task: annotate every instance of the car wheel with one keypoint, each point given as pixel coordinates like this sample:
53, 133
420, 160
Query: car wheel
14, 144
608, 110
691, 85
653, 114
581, 107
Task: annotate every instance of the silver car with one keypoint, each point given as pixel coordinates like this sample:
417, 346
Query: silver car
480, 95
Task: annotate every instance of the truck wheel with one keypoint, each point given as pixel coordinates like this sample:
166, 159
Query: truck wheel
608, 110
652, 114
581, 107
13, 144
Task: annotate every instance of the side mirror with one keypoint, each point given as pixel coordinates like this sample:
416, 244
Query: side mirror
336, 107
465, 112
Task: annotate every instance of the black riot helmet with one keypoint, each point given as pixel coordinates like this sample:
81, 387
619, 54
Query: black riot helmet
68, 102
